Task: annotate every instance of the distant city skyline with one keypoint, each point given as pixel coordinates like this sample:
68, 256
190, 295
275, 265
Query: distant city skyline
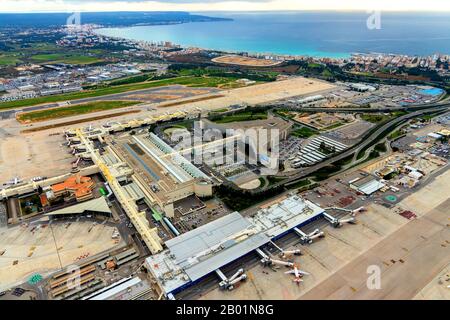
220, 5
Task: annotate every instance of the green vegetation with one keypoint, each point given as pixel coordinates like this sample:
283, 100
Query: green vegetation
319, 70
170, 130
239, 200
242, 116
283, 113
373, 155
346, 161
220, 110
187, 81
300, 184
326, 172
381, 147
303, 132
63, 112
64, 58
427, 118
274, 180
263, 182
9, 60
195, 70
333, 126
47, 57
395, 135
375, 118
325, 149
133, 79
398, 113
361, 155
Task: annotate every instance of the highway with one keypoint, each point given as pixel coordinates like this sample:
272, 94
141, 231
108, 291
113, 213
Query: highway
365, 143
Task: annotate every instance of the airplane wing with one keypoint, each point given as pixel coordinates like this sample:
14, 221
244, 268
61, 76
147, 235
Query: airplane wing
303, 272
290, 272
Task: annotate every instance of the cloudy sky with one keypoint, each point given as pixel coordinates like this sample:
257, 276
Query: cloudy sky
220, 5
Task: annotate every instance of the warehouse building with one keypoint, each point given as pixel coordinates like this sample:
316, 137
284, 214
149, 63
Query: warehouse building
366, 185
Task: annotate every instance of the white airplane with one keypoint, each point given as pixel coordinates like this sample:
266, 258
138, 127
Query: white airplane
14, 181
298, 274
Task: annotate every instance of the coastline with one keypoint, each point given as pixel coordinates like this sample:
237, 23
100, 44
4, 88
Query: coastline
298, 34
224, 51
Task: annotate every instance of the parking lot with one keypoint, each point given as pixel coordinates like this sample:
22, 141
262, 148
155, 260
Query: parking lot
290, 147
213, 210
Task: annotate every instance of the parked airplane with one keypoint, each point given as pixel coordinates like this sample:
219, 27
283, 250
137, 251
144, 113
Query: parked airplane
298, 274
14, 181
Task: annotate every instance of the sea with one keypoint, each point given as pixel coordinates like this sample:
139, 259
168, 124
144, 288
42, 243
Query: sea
316, 34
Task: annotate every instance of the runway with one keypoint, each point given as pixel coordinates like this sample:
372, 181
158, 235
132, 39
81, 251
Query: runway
409, 259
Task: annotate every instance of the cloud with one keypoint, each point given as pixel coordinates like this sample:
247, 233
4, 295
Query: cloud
219, 5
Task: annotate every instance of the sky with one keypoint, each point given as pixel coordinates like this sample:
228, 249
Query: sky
220, 5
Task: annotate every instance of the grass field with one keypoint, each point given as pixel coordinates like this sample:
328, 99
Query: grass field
375, 118
8, 60
303, 132
56, 113
64, 58
188, 81
244, 116
220, 110
396, 134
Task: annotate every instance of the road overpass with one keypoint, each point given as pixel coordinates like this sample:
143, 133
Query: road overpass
364, 143
369, 110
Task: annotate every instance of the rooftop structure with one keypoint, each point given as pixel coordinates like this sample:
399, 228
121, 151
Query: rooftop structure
310, 101
78, 186
197, 253
269, 124
361, 87
281, 217
161, 174
313, 153
117, 288
367, 185
444, 132
98, 205
149, 235
215, 244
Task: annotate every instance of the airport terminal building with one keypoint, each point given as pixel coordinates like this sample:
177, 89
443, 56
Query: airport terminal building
195, 254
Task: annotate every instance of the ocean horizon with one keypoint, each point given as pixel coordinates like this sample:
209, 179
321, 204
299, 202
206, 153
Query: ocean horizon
316, 34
